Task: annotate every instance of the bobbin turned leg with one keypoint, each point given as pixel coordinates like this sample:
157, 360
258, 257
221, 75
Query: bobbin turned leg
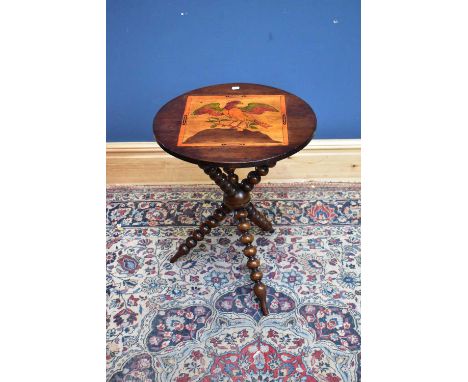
204, 229
259, 219
255, 177
253, 262
231, 175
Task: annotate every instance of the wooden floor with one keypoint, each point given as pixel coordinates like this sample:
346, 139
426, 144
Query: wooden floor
146, 163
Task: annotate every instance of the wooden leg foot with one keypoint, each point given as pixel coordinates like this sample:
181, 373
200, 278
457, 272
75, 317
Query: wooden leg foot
198, 235
253, 263
259, 219
260, 291
174, 258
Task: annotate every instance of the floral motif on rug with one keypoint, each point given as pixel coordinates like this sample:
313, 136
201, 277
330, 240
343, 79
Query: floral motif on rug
198, 320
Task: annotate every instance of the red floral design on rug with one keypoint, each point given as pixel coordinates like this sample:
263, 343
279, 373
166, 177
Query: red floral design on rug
257, 361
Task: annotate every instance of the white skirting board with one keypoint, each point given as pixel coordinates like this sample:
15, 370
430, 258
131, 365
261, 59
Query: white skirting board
146, 163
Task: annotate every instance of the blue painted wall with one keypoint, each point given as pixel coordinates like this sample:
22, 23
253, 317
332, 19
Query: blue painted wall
157, 49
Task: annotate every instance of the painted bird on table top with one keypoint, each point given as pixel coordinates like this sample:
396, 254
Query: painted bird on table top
234, 116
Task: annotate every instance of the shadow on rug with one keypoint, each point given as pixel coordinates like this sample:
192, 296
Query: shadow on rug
198, 320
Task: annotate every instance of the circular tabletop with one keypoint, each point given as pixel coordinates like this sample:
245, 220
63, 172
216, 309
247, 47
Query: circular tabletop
234, 125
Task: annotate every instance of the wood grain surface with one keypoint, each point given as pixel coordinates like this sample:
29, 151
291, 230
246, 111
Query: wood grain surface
301, 125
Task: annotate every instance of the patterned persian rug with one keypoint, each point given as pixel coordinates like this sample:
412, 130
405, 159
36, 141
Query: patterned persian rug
198, 320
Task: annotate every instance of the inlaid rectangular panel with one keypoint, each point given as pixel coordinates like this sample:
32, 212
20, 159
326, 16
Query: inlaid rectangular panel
240, 120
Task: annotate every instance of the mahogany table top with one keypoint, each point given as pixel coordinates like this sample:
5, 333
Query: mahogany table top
234, 125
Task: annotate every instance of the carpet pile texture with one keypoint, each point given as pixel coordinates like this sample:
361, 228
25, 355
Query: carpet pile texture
198, 320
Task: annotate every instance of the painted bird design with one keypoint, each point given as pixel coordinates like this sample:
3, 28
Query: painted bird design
236, 117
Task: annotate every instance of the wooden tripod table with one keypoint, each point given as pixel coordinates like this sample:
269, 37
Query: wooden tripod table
224, 127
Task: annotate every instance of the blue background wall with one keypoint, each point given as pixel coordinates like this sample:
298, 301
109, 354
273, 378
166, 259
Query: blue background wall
157, 49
